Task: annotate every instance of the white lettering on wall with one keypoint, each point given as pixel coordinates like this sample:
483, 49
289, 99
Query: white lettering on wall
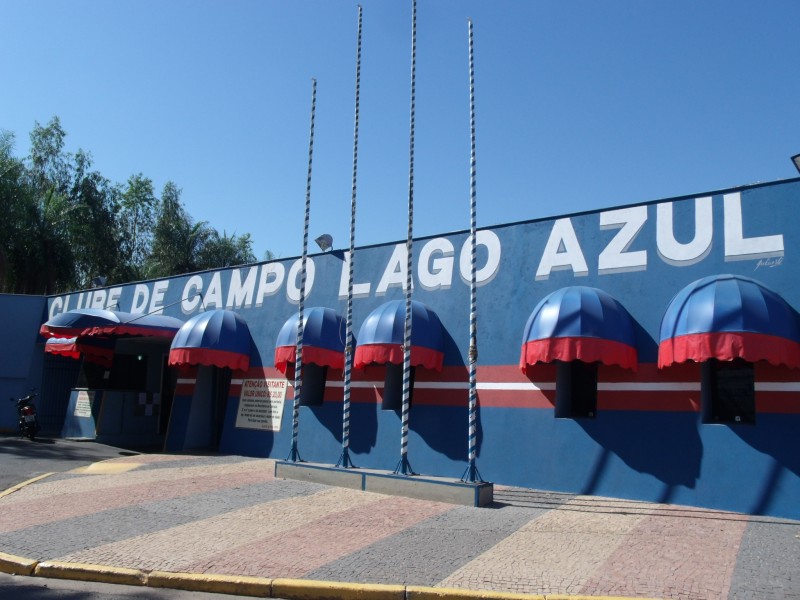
737, 247
483, 275
213, 295
615, 257
56, 307
360, 290
676, 253
435, 269
141, 296
113, 297
435, 266
293, 283
395, 272
241, 294
192, 294
98, 299
562, 252
157, 299
270, 281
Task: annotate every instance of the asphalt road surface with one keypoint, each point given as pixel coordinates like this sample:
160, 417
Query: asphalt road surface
22, 459
35, 588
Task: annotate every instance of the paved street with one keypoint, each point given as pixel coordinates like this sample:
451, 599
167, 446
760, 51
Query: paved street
21, 459
228, 515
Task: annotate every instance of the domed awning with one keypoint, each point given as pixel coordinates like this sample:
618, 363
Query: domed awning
218, 338
323, 339
380, 339
95, 350
727, 317
101, 322
579, 323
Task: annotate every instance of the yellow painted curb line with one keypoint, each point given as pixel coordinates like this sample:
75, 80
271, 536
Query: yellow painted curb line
16, 565
236, 585
306, 589
95, 573
262, 587
19, 486
429, 593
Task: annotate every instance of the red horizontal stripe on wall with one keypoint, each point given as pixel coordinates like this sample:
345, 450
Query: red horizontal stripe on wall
674, 389
777, 402
649, 401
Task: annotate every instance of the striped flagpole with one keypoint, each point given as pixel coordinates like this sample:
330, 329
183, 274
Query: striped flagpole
294, 455
344, 459
471, 475
403, 467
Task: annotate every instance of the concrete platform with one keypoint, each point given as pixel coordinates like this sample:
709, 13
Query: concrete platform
422, 487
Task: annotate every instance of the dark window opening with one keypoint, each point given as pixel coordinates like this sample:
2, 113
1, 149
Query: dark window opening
220, 386
312, 386
728, 391
128, 372
392, 398
576, 390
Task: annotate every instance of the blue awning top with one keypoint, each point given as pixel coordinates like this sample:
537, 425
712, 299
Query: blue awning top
219, 338
323, 339
100, 322
727, 317
579, 323
380, 338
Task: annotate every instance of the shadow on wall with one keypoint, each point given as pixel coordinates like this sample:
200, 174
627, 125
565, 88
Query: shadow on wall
363, 415
664, 445
445, 428
769, 436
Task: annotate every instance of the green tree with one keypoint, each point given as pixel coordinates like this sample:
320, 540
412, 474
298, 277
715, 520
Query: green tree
50, 167
137, 218
14, 197
46, 264
94, 233
65, 224
177, 241
224, 251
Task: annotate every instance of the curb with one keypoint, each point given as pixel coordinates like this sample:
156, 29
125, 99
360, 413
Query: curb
238, 585
262, 587
16, 565
95, 573
19, 486
306, 589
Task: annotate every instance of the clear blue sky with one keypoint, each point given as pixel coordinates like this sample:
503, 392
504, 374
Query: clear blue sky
580, 104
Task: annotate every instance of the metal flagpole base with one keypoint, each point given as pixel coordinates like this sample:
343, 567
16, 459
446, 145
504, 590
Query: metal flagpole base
344, 461
404, 467
294, 455
471, 475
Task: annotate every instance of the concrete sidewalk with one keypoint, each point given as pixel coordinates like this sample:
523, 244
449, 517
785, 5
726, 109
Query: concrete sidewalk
226, 524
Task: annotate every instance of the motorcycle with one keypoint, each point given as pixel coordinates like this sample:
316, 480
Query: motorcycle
28, 420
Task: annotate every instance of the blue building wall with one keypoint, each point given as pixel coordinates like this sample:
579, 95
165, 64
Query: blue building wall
20, 356
647, 441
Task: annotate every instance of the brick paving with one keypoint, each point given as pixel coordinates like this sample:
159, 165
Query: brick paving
228, 515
